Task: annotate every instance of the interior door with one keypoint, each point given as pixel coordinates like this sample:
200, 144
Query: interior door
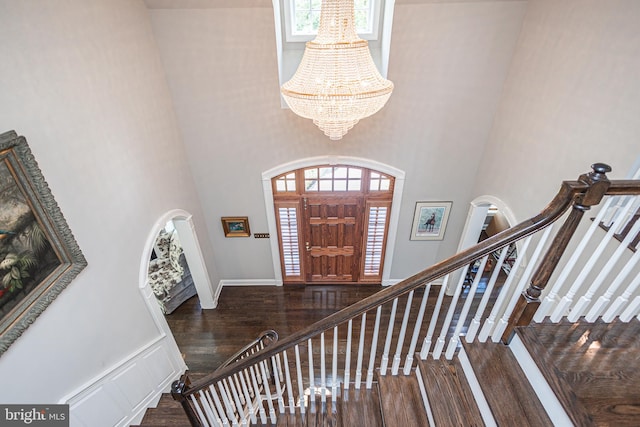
333, 238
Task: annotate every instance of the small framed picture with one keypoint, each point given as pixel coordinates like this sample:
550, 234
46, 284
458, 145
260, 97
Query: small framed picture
236, 226
430, 220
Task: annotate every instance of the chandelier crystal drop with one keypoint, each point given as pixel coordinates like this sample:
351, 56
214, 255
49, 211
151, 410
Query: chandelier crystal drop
336, 83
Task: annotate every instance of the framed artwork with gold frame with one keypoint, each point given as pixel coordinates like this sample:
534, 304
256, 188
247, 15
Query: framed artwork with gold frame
236, 226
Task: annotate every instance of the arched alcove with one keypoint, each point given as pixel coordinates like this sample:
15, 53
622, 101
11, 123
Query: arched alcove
184, 226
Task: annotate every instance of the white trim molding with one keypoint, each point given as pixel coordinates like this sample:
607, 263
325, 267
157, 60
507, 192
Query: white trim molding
394, 216
249, 282
121, 394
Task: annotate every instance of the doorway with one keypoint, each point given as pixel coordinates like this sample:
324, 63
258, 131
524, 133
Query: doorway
335, 221
487, 216
183, 224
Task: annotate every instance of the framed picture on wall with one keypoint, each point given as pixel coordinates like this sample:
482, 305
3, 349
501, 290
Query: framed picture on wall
38, 254
430, 220
236, 226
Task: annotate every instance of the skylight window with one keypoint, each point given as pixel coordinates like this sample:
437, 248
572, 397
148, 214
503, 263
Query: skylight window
303, 18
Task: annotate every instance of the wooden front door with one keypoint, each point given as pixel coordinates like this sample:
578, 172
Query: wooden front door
332, 223
333, 238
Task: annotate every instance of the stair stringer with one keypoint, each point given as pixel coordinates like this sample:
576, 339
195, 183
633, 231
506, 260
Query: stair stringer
543, 390
474, 384
425, 398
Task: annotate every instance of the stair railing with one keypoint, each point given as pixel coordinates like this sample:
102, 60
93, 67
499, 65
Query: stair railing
488, 300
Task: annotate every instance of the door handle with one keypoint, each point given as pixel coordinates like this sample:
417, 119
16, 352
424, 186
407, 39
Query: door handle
306, 244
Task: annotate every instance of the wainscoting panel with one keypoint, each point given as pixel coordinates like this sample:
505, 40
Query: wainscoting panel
122, 394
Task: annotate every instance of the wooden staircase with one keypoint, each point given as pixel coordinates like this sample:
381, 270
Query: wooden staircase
592, 368
470, 354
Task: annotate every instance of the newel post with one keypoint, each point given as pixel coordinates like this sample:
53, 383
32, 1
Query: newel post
177, 389
529, 301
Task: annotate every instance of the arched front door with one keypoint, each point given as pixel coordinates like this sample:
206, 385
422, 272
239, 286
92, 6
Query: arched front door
332, 223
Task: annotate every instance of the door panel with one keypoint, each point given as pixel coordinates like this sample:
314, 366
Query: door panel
333, 238
332, 223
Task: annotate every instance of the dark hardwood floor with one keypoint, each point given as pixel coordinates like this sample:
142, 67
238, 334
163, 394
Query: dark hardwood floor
597, 364
208, 337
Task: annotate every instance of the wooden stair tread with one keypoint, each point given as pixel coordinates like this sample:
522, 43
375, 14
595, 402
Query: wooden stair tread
361, 407
402, 403
596, 362
450, 397
510, 396
167, 412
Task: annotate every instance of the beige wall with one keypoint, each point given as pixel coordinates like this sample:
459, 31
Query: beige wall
571, 99
448, 62
83, 82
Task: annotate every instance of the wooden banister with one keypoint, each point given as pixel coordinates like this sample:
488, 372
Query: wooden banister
569, 190
577, 195
597, 185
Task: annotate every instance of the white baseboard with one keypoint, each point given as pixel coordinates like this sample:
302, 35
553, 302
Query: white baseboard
250, 282
121, 395
391, 282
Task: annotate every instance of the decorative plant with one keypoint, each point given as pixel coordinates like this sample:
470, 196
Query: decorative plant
17, 268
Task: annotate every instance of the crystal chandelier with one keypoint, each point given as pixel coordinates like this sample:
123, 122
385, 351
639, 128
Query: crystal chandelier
336, 83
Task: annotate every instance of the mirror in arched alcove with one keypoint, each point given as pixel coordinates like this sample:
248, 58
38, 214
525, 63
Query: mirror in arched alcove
169, 274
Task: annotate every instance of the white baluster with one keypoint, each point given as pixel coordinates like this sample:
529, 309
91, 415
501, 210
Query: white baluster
489, 323
384, 361
246, 376
300, 385
334, 364
256, 393
374, 346
631, 310
279, 365
323, 371
210, 409
226, 400
426, 344
360, 351
247, 397
437, 350
549, 300
475, 322
236, 398
312, 388
610, 214
585, 300
408, 364
623, 299
287, 374
403, 330
604, 300
236, 381
277, 375
455, 339
267, 391
347, 356
201, 416
522, 284
566, 301
219, 408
